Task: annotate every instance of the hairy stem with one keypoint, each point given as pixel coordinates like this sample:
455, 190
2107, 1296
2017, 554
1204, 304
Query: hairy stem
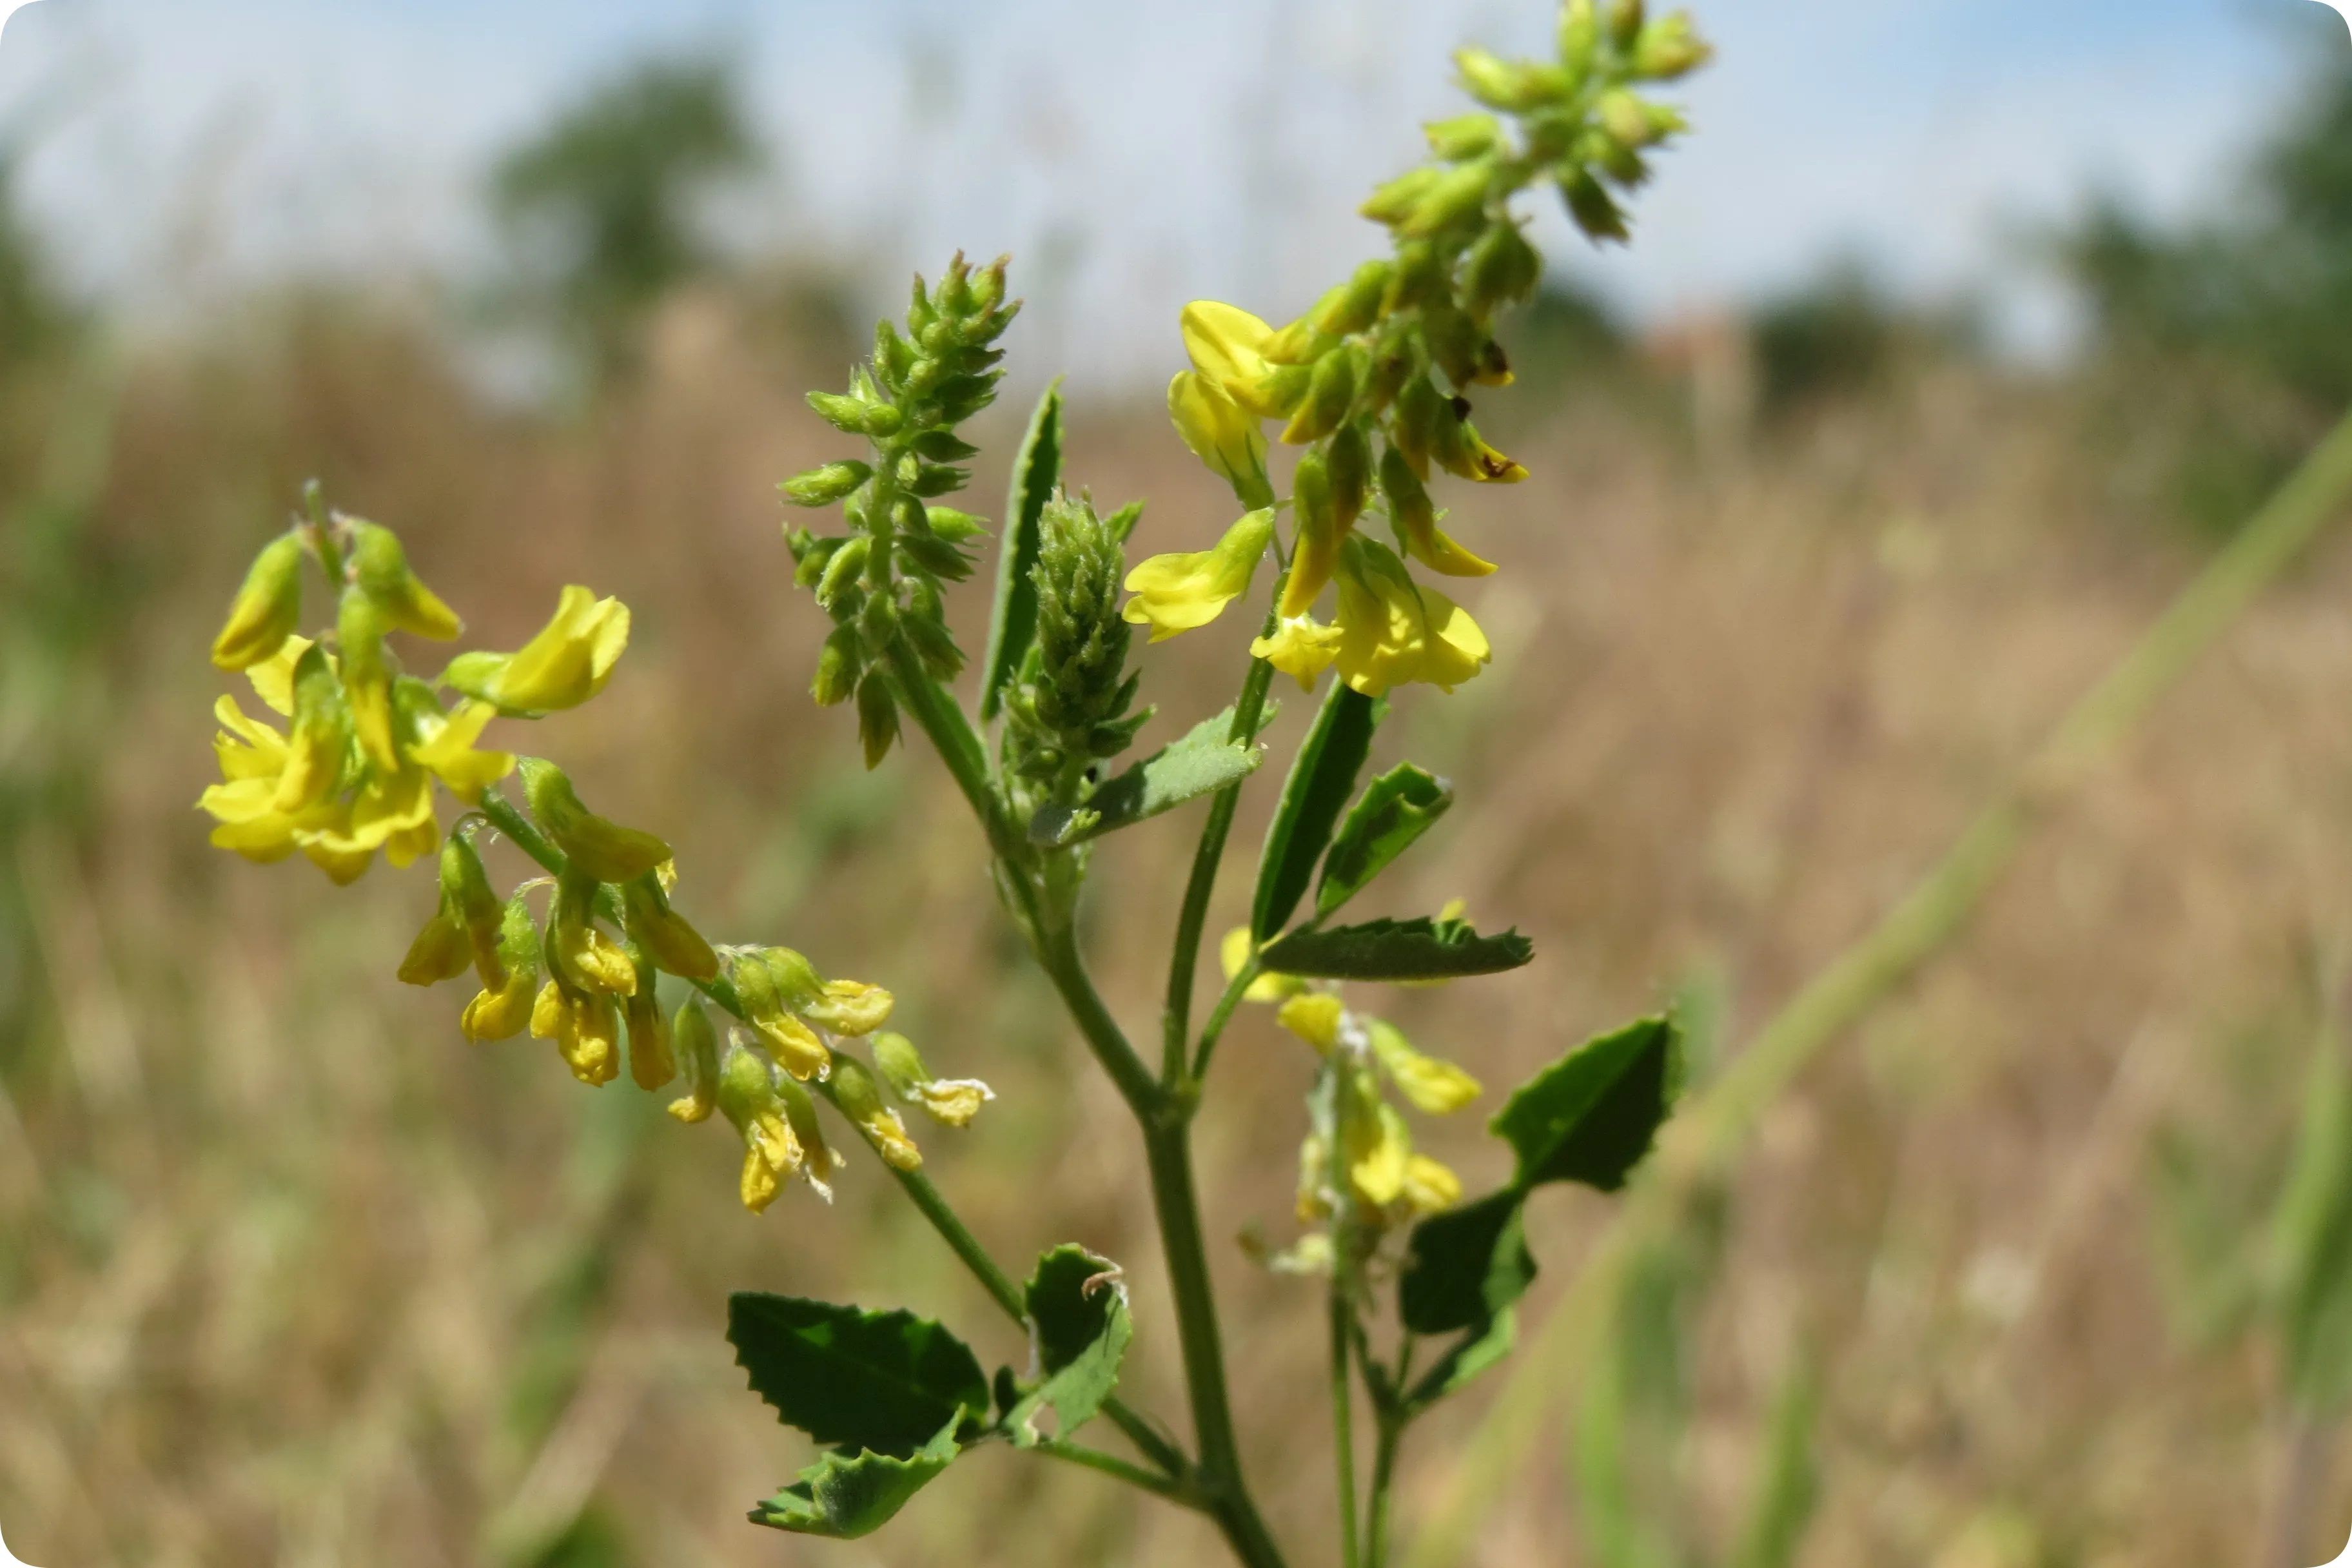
1220, 1015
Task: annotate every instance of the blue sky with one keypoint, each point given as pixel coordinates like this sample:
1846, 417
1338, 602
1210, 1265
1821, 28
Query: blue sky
1130, 155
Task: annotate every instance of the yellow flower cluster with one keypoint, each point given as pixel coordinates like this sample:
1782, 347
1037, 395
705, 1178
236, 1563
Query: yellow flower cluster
1388, 1181
353, 771
1388, 630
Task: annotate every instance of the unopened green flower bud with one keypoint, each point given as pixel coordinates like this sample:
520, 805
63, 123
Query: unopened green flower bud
1304, 341
1355, 304
360, 628
266, 609
466, 893
1625, 17
1518, 86
1414, 426
877, 623
926, 628
668, 940
877, 719
936, 479
1395, 201
600, 848
1580, 37
826, 485
1453, 341
935, 555
1458, 194
1350, 464
696, 1046
1329, 397
1503, 268
502, 1013
839, 663
381, 567
1670, 47
954, 526
1595, 212
843, 568
845, 414
1464, 137
942, 447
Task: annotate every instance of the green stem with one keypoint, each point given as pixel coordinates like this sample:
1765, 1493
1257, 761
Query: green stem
1343, 1415
1384, 1456
1176, 1013
1705, 1140
1175, 1488
1058, 955
1221, 1015
942, 720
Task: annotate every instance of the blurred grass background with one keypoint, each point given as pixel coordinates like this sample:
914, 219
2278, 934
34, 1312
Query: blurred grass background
2044, 1266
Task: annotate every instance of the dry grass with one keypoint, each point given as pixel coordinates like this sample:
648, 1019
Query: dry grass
290, 1273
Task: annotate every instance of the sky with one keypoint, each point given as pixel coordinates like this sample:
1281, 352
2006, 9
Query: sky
1131, 156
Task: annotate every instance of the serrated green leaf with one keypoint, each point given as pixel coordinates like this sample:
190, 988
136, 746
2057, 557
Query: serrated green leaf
1396, 808
846, 1494
1396, 950
1464, 1266
1592, 1116
1322, 776
852, 1379
1082, 1337
1202, 762
1036, 469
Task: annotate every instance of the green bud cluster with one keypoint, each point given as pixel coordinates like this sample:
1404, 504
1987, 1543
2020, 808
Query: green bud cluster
1393, 352
1067, 711
880, 580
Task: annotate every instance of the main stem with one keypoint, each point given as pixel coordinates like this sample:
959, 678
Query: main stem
1160, 1108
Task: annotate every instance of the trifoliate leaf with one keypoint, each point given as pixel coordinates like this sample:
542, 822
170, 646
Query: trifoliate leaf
1396, 950
1395, 809
1202, 762
1321, 778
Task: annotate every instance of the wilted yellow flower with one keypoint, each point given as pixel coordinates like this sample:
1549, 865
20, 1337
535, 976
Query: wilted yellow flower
951, 1102
855, 1093
503, 1014
1435, 1086
584, 955
651, 1062
1313, 1017
848, 1008
1301, 648
267, 608
585, 1028
771, 1150
1393, 631
1234, 952
566, 665
1177, 592
1221, 434
696, 1044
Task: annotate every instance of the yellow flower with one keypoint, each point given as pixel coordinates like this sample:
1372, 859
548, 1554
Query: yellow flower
1177, 592
1318, 530
446, 745
1234, 952
585, 1028
1436, 1087
1313, 1017
797, 1047
503, 1014
273, 678
1430, 1186
848, 1008
366, 672
1393, 631
1301, 648
651, 1062
673, 944
266, 607
698, 1052
584, 955
1221, 434
1227, 345
950, 1101
1379, 1152
1416, 520
566, 665
381, 567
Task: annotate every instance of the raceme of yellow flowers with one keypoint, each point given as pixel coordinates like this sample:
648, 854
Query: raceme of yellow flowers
353, 770
1374, 381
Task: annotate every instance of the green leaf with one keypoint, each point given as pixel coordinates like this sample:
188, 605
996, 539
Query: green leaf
847, 1495
1202, 762
1321, 778
1592, 1116
1397, 950
1082, 1336
1465, 1266
1481, 1346
1396, 808
852, 1379
1036, 469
